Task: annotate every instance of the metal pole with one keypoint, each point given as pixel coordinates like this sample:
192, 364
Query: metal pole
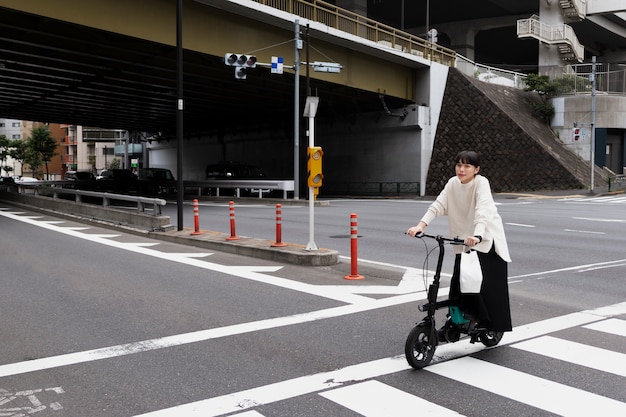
311, 245
593, 121
296, 115
179, 110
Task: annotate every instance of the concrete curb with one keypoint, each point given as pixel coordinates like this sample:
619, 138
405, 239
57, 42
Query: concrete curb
257, 248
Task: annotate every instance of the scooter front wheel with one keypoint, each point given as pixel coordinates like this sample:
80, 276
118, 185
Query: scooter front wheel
490, 338
420, 345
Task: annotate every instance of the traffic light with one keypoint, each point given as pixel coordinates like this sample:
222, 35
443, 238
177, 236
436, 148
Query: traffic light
576, 134
314, 166
241, 62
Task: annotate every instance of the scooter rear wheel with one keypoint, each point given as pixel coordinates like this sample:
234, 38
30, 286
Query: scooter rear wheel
420, 345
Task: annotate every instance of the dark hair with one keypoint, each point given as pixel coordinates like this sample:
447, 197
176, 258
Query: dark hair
468, 157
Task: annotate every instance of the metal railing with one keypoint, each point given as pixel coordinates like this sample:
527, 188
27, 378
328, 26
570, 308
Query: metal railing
553, 35
381, 189
46, 189
576, 79
617, 182
358, 25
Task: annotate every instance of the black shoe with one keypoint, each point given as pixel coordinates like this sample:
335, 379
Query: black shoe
441, 335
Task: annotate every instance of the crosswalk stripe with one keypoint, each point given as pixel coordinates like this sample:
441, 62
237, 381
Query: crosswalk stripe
577, 353
528, 389
375, 399
613, 326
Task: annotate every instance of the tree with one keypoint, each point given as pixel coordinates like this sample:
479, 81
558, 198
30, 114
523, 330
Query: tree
40, 148
5, 149
115, 164
18, 152
546, 90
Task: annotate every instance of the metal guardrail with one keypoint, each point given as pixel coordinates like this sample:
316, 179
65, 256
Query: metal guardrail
372, 188
358, 25
617, 180
260, 186
44, 189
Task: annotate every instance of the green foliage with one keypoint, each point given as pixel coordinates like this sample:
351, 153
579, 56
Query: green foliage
116, 163
546, 90
569, 84
40, 148
544, 110
541, 84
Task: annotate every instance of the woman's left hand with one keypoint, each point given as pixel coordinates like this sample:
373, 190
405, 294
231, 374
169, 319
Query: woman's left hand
471, 241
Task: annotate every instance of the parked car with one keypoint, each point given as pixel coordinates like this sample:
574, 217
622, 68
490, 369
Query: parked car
156, 182
235, 171
27, 180
79, 176
82, 180
119, 181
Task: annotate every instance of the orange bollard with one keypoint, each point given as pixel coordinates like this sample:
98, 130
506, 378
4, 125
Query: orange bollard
196, 219
231, 209
279, 227
354, 274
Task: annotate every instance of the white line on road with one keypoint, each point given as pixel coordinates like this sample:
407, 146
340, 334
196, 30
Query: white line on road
520, 225
375, 399
283, 390
584, 231
528, 389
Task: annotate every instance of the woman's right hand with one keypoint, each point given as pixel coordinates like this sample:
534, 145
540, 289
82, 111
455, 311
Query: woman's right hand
416, 230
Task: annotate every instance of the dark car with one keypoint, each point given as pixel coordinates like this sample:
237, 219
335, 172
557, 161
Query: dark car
82, 180
79, 176
156, 182
234, 171
119, 181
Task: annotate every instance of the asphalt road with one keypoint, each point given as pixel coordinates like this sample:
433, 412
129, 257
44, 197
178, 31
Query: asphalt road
102, 323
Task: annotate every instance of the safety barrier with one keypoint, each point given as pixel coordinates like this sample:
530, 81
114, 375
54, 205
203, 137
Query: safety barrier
617, 181
254, 186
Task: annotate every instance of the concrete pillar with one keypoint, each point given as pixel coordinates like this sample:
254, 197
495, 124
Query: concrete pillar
463, 40
550, 13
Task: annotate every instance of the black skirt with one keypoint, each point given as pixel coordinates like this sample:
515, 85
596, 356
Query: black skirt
491, 306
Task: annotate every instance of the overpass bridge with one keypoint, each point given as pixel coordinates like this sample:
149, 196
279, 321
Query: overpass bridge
112, 64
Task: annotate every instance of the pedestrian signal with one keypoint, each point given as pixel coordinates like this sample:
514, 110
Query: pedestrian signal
314, 166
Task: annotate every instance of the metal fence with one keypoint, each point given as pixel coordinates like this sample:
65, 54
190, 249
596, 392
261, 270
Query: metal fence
358, 25
576, 79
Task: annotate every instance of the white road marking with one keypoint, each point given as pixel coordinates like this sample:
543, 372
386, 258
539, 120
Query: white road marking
520, 225
572, 268
600, 220
279, 391
612, 326
528, 389
584, 231
375, 399
576, 353
197, 336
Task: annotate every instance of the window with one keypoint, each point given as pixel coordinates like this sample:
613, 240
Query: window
108, 151
18, 136
16, 124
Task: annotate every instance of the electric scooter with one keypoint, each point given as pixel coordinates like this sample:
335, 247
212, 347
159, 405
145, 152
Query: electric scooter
424, 337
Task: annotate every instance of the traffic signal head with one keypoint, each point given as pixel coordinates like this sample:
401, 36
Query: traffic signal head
240, 60
314, 166
576, 134
240, 73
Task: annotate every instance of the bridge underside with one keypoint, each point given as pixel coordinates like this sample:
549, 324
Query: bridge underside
56, 71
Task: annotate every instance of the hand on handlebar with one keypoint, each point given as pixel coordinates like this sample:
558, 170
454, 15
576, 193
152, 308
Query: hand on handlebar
416, 230
471, 241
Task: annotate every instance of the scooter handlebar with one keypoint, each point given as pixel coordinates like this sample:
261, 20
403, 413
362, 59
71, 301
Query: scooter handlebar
453, 241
